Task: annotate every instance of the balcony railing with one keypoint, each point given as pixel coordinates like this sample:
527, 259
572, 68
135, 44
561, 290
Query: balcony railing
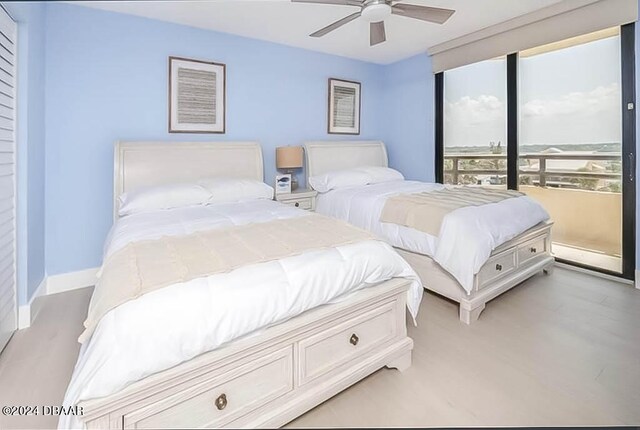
543, 173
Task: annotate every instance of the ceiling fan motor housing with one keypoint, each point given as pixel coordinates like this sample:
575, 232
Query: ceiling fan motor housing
376, 11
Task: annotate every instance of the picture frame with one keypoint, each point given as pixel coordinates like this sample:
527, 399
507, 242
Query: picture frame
343, 107
283, 184
205, 81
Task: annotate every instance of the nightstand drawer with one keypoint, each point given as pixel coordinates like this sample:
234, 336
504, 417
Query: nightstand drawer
299, 203
303, 199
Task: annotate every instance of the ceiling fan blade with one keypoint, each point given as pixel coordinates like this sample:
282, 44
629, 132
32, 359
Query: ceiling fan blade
425, 13
333, 2
329, 28
376, 33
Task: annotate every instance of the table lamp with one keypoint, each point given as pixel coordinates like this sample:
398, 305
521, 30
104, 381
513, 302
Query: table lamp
289, 158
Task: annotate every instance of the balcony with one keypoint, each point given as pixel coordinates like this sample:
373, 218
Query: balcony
581, 192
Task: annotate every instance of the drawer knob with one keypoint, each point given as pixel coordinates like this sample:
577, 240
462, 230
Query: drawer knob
354, 339
221, 402
297, 204
533, 250
499, 267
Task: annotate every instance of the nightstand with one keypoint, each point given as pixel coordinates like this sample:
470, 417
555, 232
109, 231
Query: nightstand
302, 198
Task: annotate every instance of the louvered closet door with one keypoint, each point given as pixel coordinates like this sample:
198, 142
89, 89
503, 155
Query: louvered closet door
8, 304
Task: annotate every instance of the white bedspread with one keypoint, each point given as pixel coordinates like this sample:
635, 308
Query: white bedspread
467, 235
174, 324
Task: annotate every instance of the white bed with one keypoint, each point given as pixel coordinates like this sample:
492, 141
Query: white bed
472, 261
253, 347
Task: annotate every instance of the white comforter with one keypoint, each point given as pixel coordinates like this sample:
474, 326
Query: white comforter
467, 235
174, 324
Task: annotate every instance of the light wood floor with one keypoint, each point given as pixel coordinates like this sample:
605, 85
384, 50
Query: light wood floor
557, 350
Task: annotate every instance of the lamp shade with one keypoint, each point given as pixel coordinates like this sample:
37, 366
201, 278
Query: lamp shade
289, 157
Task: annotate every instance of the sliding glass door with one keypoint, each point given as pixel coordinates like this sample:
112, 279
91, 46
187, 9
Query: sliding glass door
558, 123
570, 144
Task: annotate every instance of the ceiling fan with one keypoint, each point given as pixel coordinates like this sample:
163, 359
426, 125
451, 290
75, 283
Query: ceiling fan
376, 11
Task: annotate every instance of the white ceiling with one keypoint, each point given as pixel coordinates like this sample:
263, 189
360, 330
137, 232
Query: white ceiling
290, 24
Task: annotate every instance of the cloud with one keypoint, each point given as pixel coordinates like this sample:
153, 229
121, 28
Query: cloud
601, 99
577, 117
469, 110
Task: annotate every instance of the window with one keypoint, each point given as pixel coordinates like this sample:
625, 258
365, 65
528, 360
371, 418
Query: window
558, 123
475, 124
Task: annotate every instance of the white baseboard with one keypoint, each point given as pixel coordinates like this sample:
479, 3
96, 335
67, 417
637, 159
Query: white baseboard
53, 285
71, 281
27, 313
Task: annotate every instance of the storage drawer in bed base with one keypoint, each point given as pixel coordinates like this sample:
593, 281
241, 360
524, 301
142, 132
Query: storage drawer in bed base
269, 379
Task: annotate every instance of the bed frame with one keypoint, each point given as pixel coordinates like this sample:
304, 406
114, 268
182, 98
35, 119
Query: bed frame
260, 380
509, 264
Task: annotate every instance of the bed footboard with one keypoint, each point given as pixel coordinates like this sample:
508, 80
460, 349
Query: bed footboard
270, 379
509, 265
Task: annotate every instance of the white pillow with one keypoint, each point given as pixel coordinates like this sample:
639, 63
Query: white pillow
225, 190
355, 177
378, 175
162, 197
339, 179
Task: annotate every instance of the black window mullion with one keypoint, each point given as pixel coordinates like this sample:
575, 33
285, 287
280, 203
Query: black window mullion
512, 121
627, 45
439, 126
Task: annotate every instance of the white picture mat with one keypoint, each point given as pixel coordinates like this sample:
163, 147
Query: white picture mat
333, 83
219, 69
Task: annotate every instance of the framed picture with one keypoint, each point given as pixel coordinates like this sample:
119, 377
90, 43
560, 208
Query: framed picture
283, 184
197, 101
344, 107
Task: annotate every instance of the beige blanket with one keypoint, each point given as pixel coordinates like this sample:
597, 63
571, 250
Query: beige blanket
425, 211
148, 265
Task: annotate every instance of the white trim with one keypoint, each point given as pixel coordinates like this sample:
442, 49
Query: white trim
637, 279
27, 313
53, 285
71, 280
597, 274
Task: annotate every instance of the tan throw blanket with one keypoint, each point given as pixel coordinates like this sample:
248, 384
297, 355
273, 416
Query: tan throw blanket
425, 211
145, 266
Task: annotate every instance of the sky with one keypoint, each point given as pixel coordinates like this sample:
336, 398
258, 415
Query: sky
566, 96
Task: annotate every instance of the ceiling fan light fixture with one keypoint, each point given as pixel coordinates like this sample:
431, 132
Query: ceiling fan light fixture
376, 12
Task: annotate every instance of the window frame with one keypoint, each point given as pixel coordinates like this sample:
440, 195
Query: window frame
628, 82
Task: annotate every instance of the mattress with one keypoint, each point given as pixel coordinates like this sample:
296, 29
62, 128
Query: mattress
174, 324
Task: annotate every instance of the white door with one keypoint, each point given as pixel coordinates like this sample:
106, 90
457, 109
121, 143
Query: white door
8, 303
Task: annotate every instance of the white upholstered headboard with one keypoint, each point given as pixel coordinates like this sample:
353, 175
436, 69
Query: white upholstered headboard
322, 157
144, 164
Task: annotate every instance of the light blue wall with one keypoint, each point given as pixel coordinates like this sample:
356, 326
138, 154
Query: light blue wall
103, 77
30, 146
408, 117
107, 80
